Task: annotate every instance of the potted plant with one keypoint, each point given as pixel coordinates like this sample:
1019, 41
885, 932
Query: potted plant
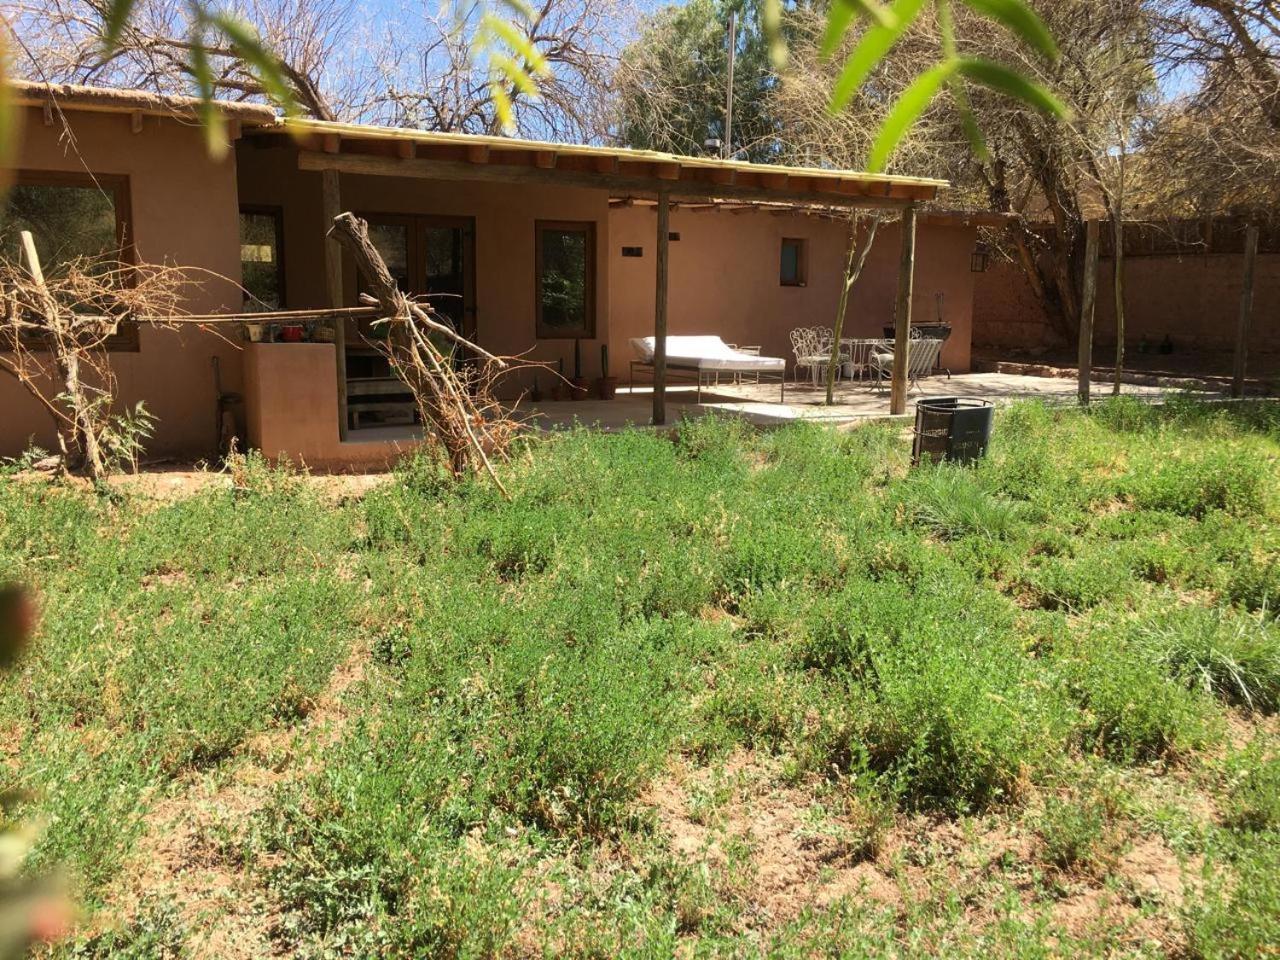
580, 383
606, 386
559, 386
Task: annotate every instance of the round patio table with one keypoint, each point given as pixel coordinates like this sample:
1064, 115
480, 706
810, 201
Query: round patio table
857, 353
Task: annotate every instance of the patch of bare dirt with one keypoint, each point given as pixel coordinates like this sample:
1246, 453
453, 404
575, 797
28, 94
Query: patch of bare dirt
1150, 873
771, 853
187, 851
1091, 911
1154, 872
166, 483
165, 578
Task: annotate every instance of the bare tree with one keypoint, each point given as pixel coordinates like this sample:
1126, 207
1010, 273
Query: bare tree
427, 66
432, 71
63, 40
1214, 148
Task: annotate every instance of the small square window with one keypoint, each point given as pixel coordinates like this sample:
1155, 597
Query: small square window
633, 251
793, 262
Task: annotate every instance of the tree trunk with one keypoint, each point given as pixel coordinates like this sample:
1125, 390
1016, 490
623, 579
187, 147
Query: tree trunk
1057, 302
854, 263
1084, 356
1117, 268
1117, 271
1246, 308
86, 439
67, 360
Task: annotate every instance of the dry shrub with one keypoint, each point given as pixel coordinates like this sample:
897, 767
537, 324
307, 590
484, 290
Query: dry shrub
55, 332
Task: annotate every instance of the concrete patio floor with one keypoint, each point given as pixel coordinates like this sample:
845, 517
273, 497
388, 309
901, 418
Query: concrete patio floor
855, 401
759, 403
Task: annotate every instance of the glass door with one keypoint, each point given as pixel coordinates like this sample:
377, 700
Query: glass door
431, 259
446, 244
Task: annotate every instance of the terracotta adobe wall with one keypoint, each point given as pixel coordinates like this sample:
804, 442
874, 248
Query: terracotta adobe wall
1193, 299
504, 241
183, 212
724, 279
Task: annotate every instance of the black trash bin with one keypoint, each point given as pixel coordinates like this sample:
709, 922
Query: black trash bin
952, 428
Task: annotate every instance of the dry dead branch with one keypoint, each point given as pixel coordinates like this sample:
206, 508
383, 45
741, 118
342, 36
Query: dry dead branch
55, 330
454, 399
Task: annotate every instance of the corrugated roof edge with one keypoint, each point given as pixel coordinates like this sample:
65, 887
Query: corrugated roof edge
71, 96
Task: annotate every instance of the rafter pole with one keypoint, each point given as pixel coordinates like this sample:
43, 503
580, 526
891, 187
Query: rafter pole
660, 312
331, 205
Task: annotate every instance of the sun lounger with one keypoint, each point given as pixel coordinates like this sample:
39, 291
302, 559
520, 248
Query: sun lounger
705, 356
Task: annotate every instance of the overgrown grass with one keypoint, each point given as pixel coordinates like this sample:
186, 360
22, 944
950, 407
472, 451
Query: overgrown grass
935, 645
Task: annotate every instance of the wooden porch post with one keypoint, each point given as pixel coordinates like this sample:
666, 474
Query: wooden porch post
331, 206
1246, 308
660, 313
1084, 356
902, 314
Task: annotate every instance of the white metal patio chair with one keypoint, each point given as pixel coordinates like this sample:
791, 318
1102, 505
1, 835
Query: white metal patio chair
921, 356
807, 347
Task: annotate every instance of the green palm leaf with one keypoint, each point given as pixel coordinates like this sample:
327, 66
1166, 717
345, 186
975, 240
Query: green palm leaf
841, 16
871, 49
214, 125
262, 63
115, 17
1011, 83
907, 111
1020, 19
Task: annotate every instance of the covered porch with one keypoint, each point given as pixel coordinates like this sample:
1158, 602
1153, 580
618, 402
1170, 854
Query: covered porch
307, 399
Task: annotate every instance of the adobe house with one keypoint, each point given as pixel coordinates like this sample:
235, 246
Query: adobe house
486, 226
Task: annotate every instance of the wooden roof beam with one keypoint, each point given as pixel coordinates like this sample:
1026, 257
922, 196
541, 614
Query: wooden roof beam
406, 149
331, 143
478, 153
544, 159
636, 182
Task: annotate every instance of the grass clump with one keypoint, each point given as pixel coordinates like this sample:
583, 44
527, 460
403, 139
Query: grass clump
1225, 654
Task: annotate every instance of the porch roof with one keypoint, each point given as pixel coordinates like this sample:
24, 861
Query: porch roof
73, 96
396, 151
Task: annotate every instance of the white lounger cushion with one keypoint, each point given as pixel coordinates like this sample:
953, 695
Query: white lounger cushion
706, 353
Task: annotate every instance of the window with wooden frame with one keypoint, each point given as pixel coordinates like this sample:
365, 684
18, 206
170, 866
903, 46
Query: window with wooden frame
793, 264
262, 258
71, 215
565, 279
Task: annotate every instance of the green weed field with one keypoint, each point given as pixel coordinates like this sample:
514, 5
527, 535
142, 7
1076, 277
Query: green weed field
731, 694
